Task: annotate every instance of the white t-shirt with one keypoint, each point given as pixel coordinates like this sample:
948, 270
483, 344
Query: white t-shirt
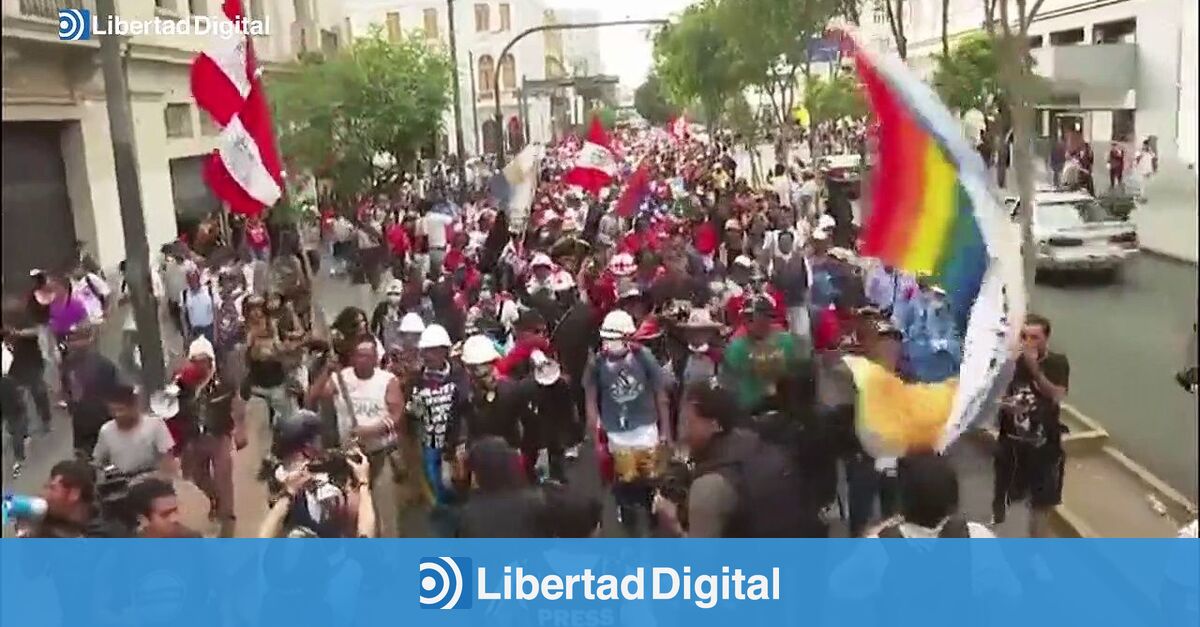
433, 227
136, 450
909, 530
369, 398
91, 289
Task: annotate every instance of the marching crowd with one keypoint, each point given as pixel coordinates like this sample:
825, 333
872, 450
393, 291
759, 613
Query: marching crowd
677, 329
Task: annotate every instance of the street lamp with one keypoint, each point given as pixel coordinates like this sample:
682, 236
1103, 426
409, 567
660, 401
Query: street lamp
499, 115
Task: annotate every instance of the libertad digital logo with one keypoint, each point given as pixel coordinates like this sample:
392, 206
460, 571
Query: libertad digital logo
74, 24
443, 583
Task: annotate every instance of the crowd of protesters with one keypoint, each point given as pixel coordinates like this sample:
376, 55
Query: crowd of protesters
682, 335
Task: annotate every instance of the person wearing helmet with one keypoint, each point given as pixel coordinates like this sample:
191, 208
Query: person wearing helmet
439, 404
626, 401
388, 315
548, 419
496, 409
372, 421
756, 362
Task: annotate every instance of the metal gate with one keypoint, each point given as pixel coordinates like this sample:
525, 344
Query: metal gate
39, 228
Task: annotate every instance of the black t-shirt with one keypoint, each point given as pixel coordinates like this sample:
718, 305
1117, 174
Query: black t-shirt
27, 358
1031, 416
90, 379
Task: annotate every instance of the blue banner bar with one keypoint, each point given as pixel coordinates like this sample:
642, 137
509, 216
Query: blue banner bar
595, 583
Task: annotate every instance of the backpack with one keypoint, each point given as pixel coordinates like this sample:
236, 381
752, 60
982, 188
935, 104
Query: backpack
774, 499
229, 329
101, 295
954, 527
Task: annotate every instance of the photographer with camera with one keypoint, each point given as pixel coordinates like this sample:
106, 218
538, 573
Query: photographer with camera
316, 493
132, 443
743, 486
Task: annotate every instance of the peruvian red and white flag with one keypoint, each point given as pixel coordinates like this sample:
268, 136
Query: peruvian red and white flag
595, 166
245, 170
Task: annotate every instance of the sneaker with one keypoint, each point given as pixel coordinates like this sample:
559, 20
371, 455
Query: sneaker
571, 453
61, 404
16, 470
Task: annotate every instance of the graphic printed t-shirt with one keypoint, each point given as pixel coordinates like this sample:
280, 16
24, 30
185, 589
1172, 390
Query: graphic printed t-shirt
626, 389
1034, 417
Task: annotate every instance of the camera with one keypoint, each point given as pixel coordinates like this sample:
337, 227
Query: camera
674, 484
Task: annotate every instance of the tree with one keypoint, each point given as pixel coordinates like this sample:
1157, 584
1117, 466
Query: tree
358, 119
968, 77
895, 18
695, 61
771, 39
1017, 79
834, 98
740, 118
945, 28
652, 103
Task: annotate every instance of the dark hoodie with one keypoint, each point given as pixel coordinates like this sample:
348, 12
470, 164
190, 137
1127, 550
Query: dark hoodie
502, 506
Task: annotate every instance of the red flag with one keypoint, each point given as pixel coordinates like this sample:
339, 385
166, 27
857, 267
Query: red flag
678, 128
637, 188
245, 170
595, 166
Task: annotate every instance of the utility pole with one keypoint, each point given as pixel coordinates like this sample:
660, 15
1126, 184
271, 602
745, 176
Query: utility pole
474, 102
458, 117
133, 220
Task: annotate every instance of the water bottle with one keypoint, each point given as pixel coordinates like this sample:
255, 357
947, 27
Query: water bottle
20, 507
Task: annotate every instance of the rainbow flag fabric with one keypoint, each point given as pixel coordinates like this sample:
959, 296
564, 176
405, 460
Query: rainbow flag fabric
932, 212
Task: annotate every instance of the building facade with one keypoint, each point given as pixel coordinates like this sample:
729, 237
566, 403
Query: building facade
59, 181
1118, 69
482, 29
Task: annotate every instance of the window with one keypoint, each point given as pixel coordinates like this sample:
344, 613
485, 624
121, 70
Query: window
482, 18
393, 26
508, 72
1120, 32
256, 10
1067, 37
879, 12
178, 118
198, 7
505, 16
431, 25
301, 7
487, 74
1035, 42
208, 127
329, 42
167, 6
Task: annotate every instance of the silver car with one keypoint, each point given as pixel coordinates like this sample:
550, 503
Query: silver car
1074, 232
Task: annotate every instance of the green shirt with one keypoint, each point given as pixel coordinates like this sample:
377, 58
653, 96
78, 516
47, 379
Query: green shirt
753, 368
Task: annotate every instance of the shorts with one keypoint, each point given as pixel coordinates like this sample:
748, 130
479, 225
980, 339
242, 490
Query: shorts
635, 454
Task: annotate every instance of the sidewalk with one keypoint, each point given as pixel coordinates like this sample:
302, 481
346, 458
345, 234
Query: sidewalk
1167, 224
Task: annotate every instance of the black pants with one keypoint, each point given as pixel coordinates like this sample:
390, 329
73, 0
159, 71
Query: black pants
35, 384
555, 454
1022, 470
864, 484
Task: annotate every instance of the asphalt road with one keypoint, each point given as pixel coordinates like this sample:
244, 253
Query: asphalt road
1125, 341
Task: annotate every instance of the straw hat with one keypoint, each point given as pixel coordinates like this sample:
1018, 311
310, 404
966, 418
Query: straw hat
700, 318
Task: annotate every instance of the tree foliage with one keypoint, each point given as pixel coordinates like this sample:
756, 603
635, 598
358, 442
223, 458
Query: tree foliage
359, 118
834, 98
695, 60
969, 78
651, 101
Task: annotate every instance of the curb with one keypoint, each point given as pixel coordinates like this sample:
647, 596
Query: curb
1169, 256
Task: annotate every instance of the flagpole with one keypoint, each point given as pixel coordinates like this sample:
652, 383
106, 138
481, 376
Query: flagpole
133, 219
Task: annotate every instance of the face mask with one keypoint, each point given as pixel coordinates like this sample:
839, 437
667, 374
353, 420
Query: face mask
698, 348
394, 299
485, 295
614, 348
482, 372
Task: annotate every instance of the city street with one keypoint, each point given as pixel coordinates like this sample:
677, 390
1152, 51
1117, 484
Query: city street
1125, 342
971, 460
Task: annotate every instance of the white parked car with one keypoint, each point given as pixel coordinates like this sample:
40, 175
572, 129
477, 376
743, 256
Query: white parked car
1074, 232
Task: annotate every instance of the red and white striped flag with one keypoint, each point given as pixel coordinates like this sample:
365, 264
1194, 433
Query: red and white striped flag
595, 166
245, 170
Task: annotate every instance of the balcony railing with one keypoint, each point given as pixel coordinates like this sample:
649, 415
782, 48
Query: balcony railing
48, 9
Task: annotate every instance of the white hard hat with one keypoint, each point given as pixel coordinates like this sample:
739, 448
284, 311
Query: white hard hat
479, 350
412, 323
541, 260
434, 336
618, 325
201, 347
561, 281
395, 287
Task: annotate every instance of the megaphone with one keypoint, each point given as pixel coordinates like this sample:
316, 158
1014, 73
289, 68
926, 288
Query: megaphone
165, 402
